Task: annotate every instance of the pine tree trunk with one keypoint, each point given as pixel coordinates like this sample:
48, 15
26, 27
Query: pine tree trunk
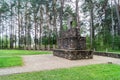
11, 31
77, 14
48, 25
54, 25
118, 16
61, 17
91, 26
19, 25
26, 25
41, 22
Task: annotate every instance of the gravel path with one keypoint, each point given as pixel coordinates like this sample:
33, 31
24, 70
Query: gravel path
49, 62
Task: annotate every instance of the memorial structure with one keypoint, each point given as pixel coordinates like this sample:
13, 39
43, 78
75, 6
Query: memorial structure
71, 45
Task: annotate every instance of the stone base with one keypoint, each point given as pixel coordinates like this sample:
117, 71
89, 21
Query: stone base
73, 54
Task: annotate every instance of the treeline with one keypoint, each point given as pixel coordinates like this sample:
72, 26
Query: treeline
36, 24
28, 24
104, 24
32, 24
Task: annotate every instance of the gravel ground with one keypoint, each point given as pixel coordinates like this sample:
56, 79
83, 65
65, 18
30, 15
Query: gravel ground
49, 62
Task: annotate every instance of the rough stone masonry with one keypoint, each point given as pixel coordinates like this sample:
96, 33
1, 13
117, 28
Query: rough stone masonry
72, 46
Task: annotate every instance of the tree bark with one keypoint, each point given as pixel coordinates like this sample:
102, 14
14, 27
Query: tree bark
19, 25
54, 25
77, 14
91, 25
118, 16
48, 25
61, 17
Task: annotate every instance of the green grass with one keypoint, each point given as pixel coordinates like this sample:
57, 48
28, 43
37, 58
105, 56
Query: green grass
21, 52
10, 61
110, 51
91, 72
114, 51
8, 57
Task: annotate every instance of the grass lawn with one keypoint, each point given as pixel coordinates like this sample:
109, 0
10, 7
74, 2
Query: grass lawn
111, 51
91, 72
10, 61
8, 57
115, 51
21, 52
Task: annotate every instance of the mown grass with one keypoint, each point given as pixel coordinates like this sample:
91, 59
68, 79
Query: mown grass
8, 57
114, 51
10, 61
22, 52
91, 72
110, 51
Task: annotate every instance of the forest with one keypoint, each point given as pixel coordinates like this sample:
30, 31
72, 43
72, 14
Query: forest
36, 24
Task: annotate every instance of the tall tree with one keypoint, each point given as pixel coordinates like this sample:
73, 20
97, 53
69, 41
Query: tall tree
61, 16
77, 14
118, 15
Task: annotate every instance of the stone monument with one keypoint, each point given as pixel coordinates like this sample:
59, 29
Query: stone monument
71, 45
